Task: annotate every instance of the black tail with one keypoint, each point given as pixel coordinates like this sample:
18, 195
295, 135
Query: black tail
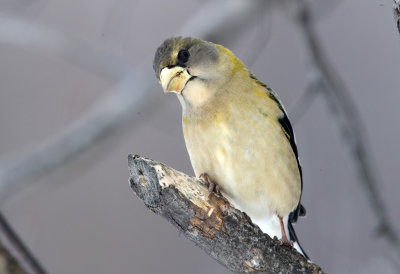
293, 237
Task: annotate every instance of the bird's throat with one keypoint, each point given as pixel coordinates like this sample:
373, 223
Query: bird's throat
196, 98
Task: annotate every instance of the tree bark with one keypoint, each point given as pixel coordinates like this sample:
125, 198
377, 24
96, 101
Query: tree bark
223, 232
396, 10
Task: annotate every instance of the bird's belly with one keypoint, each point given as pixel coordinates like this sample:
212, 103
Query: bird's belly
254, 166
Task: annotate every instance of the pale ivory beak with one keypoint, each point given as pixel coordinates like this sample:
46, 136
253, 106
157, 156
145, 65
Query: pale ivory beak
174, 79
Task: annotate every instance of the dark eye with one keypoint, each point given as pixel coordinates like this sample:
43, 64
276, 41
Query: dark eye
183, 56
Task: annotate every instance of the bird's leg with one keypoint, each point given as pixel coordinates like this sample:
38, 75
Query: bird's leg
284, 239
212, 186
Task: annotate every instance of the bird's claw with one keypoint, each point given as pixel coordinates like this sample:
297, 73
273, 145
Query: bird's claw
286, 242
212, 186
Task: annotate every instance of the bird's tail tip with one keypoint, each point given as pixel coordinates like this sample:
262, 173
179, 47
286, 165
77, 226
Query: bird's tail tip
296, 244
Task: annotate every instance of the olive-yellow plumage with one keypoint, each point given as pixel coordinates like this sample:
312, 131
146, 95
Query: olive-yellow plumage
235, 130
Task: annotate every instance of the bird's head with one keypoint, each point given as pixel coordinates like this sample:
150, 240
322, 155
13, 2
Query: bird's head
194, 69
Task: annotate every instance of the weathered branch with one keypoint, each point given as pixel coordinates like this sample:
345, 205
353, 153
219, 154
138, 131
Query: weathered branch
223, 232
396, 10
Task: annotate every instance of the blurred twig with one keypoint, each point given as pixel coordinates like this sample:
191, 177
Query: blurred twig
36, 37
105, 113
260, 42
345, 112
9, 265
223, 27
304, 102
133, 88
92, 125
26, 257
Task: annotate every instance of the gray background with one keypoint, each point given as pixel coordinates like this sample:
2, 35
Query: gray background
83, 217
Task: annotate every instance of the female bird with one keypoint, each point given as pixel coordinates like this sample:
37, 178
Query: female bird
236, 131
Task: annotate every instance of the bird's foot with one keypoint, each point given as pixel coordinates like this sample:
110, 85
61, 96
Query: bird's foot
284, 240
212, 186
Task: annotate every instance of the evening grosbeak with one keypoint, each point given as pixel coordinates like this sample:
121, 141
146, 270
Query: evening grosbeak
236, 132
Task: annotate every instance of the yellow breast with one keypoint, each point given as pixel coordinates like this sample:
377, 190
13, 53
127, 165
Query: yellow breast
242, 147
